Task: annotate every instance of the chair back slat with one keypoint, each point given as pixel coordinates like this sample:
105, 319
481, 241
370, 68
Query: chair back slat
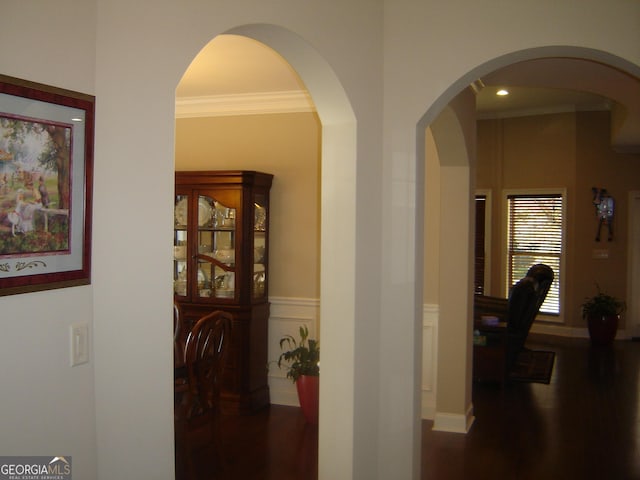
205, 354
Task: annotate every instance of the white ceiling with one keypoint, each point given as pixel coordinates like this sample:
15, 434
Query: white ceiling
235, 74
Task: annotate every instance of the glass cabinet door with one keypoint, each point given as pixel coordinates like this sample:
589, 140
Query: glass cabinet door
260, 219
221, 239
180, 265
216, 249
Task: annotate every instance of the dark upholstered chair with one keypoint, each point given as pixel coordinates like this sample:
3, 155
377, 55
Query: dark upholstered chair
525, 300
197, 389
543, 274
516, 314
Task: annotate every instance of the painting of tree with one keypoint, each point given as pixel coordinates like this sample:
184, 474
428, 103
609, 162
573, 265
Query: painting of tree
35, 166
56, 158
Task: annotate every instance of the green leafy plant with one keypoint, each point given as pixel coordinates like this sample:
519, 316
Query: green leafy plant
602, 305
302, 356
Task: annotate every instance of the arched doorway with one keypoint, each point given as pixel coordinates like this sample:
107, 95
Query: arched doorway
337, 274
456, 397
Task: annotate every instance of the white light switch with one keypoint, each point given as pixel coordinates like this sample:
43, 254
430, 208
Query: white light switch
79, 344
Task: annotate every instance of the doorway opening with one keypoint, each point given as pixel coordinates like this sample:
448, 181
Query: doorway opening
324, 148
524, 69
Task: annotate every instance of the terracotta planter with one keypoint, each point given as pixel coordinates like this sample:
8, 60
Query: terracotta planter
309, 395
602, 329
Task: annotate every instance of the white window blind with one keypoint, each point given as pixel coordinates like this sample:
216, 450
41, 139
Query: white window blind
535, 228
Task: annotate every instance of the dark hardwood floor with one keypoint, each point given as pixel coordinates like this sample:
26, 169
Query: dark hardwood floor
275, 443
583, 425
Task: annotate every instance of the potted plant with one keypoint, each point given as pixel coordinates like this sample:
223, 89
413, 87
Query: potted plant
602, 312
302, 360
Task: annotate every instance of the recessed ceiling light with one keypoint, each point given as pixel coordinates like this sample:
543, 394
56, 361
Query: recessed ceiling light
502, 92
76, 119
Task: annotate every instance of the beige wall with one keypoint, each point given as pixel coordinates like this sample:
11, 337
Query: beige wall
598, 166
288, 146
571, 151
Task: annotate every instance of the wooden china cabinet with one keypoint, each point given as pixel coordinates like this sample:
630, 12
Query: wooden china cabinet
221, 245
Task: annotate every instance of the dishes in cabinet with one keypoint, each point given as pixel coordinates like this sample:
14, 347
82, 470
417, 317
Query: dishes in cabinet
180, 287
224, 281
205, 211
179, 252
202, 279
224, 285
260, 218
180, 212
258, 254
225, 255
259, 279
205, 250
223, 217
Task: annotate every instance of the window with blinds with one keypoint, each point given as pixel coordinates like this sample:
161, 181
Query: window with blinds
535, 230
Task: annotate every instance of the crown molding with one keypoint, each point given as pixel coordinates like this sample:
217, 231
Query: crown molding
292, 101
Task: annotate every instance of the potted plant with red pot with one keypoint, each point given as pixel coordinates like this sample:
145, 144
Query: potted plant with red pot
602, 312
302, 360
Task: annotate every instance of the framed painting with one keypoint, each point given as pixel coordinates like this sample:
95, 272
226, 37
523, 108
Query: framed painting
46, 185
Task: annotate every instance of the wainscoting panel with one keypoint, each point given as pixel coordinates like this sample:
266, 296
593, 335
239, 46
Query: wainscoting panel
287, 316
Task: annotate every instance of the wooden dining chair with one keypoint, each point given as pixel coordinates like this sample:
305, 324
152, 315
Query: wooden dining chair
179, 338
197, 389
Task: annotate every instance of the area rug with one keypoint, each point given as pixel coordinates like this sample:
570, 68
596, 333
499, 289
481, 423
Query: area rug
534, 366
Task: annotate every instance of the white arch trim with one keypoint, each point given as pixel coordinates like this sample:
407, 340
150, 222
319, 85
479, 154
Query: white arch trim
338, 242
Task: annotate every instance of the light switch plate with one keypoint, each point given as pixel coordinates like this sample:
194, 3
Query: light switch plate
79, 334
